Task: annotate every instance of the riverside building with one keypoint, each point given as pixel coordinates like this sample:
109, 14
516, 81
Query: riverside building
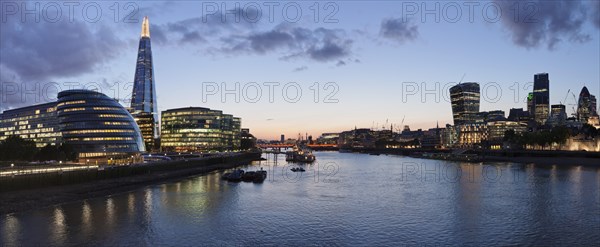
37, 123
198, 129
99, 129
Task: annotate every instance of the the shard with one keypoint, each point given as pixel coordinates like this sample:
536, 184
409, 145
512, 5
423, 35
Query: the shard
143, 99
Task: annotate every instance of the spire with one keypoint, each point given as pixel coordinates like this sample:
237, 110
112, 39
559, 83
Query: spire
146, 27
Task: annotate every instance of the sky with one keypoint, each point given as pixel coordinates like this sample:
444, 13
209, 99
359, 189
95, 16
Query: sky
306, 66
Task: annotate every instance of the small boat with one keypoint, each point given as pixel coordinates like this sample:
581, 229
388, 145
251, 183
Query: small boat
303, 155
236, 176
259, 176
226, 175
298, 169
248, 176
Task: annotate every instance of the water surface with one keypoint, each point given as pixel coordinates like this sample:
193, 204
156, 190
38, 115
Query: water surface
345, 199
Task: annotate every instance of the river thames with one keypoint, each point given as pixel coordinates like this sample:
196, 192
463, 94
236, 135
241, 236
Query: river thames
343, 199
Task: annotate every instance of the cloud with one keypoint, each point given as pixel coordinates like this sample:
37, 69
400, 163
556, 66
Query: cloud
44, 50
302, 68
340, 63
34, 54
595, 13
263, 42
158, 34
399, 30
192, 37
320, 44
198, 29
544, 22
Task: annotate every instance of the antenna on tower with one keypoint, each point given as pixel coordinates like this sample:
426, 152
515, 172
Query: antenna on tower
462, 78
146, 27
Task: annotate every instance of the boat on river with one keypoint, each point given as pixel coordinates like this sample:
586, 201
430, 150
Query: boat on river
301, 155
298, 169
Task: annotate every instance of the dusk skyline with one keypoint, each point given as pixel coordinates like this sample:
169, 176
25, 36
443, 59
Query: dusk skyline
282, 123
368, 60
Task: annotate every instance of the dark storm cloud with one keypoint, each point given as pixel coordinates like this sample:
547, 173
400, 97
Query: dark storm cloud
399, 30
544, 23
192, 37
198, 29
158, 35
263, 42
596, 13
35, 54
43, 51
320, 44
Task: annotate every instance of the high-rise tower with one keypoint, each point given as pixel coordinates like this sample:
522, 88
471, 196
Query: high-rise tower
465, 102
586, 106
541, 98
143, 99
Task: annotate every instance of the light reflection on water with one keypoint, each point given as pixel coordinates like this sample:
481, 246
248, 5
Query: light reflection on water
346, 199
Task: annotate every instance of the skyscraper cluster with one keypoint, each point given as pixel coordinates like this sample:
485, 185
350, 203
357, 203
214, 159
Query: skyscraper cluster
472, 127
102, 131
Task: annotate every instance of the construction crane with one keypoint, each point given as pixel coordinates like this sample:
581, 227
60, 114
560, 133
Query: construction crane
399, 128
573, 105
566, 96
462, 78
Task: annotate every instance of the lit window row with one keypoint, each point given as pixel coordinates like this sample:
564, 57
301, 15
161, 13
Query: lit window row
74, 109
71, 102
99, 131
85, 139
112, 116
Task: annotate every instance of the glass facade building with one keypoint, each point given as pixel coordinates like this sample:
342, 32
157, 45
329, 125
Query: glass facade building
143, 98
98, 128
558, 115
586, 106
541, 98
465, 103
37, 123
198, 129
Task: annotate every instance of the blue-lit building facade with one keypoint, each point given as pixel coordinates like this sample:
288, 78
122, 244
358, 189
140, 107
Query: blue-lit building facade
198, 129
143, 99
541, 98
97, 127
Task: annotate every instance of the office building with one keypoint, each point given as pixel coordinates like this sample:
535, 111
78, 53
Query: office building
558, 115
247, 140
496, 129
143, 98
465, 103
36, 123
98, 128
530, 105
518, 115
198, 129
541, 98
586, 106
471, 135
